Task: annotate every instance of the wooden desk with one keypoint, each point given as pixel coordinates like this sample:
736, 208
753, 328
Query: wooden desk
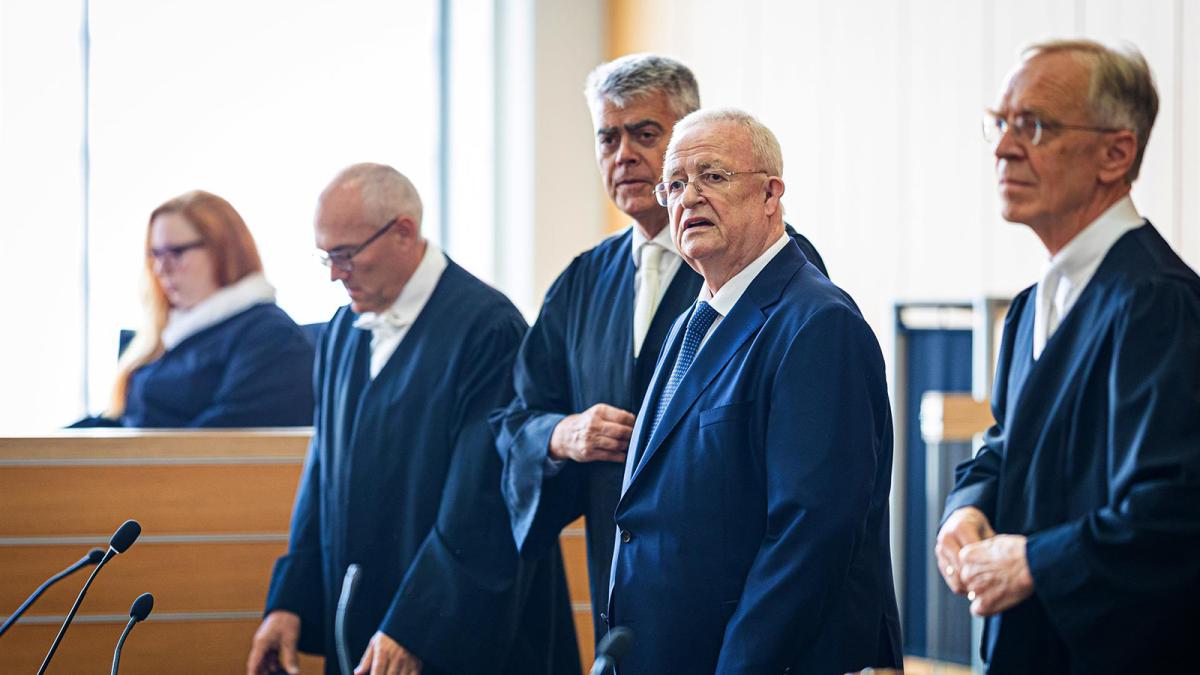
215, 507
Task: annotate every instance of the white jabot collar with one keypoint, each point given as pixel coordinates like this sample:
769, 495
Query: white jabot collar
663, 239
412, 297
226, 302
728, 295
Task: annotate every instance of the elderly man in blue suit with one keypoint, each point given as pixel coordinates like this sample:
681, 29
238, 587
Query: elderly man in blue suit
752, 526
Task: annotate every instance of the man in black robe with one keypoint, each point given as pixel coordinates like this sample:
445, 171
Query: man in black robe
583, 369
402, 477
1076, 528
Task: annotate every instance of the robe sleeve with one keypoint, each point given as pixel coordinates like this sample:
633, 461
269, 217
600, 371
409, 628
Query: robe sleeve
1121, 574
266, 381
457, 606
541, 497
976, 480
823, 457
297, 582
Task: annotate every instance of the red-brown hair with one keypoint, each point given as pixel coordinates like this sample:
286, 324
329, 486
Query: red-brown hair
234, 254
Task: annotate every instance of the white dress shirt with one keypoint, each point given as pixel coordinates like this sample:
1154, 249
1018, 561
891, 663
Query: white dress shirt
1068, 272
668, 264
389, 327
728, 295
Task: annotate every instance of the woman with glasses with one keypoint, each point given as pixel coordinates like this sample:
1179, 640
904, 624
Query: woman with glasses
213, 350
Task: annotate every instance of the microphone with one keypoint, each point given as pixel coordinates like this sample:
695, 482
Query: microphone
120, 542
137, 613
349, 583
611, 649
91, 558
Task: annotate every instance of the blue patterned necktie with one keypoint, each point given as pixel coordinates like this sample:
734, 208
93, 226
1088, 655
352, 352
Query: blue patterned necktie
697, 326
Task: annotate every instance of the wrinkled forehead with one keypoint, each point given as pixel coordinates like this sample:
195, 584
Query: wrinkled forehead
704, 146
1049, 83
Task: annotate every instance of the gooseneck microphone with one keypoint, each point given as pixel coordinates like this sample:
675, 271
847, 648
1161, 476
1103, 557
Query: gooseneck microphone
349, 583
120, 542
611, 649
91, 558
137, 613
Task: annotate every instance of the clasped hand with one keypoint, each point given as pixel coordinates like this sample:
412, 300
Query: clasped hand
990, 569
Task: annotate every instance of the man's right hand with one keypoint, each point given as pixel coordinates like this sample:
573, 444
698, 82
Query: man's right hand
599, 434
274, 646
965, 526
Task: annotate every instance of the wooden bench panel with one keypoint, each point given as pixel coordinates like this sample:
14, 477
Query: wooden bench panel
186, 647
192, 577
165, 499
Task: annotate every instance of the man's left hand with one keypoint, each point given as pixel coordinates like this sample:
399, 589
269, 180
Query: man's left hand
385, 656
995, 573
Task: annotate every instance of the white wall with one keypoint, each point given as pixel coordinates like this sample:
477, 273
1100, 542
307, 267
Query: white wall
550, 204
41, 210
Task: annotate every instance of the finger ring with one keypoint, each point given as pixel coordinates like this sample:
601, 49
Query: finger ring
949, 570
971, 596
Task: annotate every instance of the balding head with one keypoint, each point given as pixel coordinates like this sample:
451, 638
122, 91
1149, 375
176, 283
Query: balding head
368, 222
382, 191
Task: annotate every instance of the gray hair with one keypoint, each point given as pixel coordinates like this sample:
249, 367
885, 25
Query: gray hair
1121, 92
636, 76
385, 191
763, 145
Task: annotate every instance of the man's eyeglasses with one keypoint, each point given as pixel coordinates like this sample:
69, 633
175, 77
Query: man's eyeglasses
716, 180
1029, 127
172, 254
340, 258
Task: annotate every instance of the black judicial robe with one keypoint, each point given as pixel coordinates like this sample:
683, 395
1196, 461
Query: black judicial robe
579, 353
402, 479
253, 369
1095, 457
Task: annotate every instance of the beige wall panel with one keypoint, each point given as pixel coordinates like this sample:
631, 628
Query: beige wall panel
183, 647
1151, 26
174, 499
1189, 132
193, 577
1012, 256
841, 155
943, 161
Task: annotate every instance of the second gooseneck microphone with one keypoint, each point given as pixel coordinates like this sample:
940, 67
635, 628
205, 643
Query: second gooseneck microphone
93, 557
137, 613
120, 542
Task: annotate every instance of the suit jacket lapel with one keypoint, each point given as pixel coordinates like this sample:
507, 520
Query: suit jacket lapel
744, 320
645, 418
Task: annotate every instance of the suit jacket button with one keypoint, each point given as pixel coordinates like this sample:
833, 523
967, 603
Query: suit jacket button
604, 618
625, 536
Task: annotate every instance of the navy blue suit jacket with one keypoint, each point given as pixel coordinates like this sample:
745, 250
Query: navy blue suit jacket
1095, 457
754, 528
580, 353
253, 369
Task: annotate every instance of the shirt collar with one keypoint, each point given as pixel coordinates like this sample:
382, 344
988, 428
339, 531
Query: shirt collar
663, 239
1091, 244
728, 295
413, 296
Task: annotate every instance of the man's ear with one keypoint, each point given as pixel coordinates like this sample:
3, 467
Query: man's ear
772, 194
1118, 155
407, 228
